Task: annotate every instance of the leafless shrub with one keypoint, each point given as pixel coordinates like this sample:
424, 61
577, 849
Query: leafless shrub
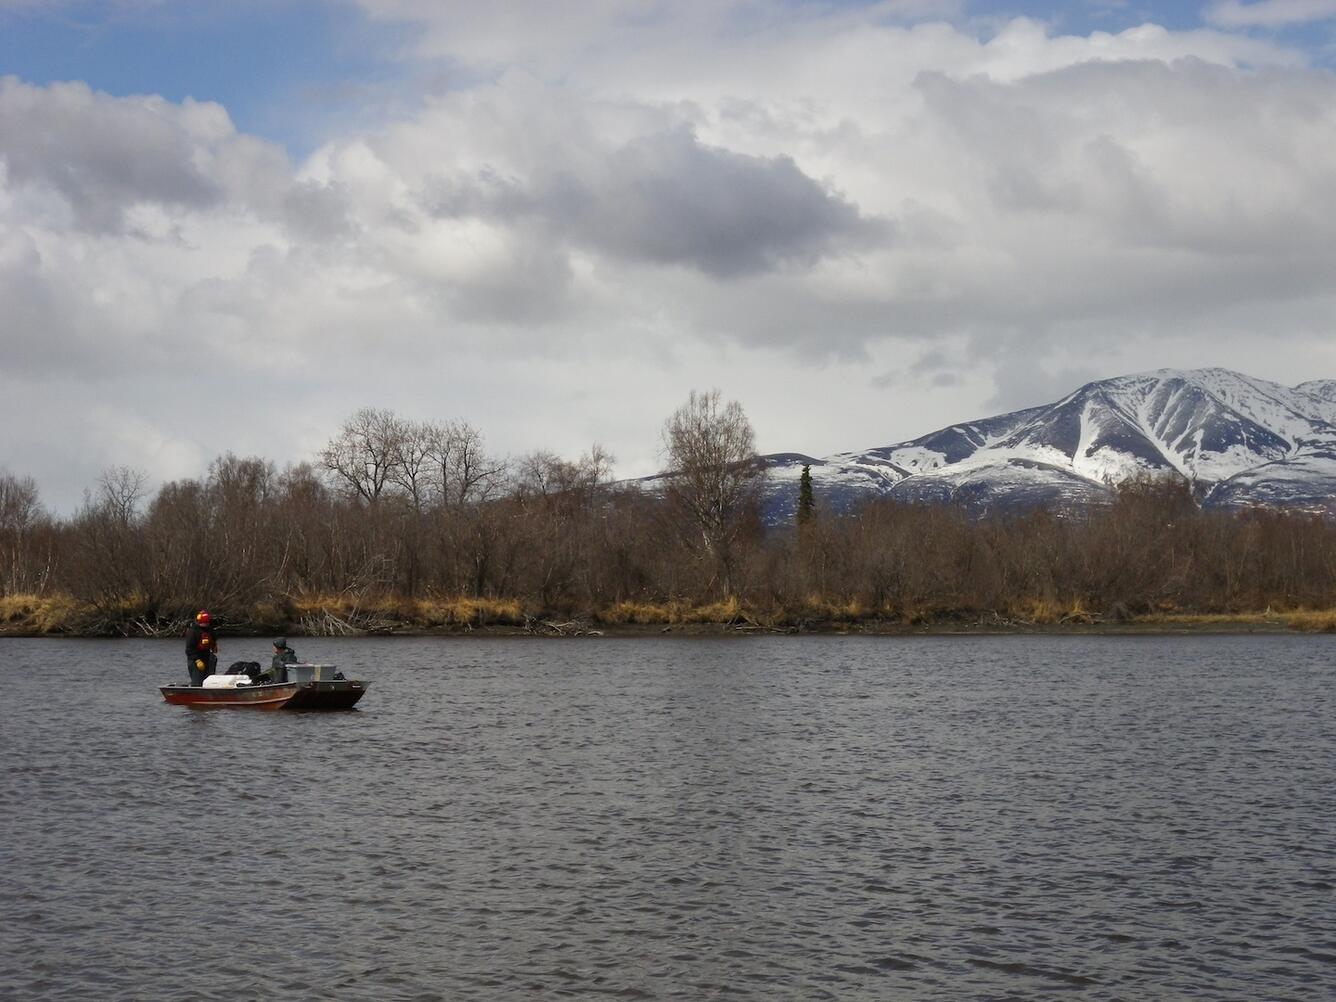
713, 475
553, 537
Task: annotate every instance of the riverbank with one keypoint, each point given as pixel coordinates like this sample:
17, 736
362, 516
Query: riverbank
58, 615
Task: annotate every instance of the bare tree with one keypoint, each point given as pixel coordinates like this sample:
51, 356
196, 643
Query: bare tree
559, 482
559, 508
463, 471
19, 504
120, 489
20, 512
597, 465
713, 475
411, 465
241, 492
363, 454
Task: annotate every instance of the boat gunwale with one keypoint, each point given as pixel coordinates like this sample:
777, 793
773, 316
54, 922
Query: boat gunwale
271, 695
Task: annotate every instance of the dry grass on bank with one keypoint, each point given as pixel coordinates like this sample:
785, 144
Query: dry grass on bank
674, 613
40, 613
35, 615
433, 611
1302, 620
732, 611
1318, 621
460, 611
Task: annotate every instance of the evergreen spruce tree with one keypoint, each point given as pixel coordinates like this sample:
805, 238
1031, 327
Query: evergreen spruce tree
806, 502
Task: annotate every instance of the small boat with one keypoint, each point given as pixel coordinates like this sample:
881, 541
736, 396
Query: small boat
323, 687
308, 687
336, 694
272, 696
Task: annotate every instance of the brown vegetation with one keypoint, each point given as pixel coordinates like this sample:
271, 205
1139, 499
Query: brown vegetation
462, 541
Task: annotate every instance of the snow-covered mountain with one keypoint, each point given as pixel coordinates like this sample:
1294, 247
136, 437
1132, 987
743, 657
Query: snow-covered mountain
1241, 441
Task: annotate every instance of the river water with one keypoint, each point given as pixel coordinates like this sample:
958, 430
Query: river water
761, 818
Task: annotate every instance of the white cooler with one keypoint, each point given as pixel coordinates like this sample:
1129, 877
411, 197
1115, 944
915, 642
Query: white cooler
225, 681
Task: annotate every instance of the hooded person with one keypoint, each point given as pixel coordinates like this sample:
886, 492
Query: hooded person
201, 648
283, 656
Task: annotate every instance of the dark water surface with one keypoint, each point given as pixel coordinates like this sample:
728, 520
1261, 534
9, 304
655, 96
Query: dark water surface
823, 818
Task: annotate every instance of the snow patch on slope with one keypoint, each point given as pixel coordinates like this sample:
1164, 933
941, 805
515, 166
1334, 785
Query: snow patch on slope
1245, 440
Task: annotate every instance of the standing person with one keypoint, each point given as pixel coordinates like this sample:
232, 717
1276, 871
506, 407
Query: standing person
201, 648
283, 656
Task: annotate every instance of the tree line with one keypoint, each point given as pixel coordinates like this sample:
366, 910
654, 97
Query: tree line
395, 514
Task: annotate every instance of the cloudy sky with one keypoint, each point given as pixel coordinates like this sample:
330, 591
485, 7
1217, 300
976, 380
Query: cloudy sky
226, 225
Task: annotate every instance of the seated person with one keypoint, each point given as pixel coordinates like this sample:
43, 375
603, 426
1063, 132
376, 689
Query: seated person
283, 656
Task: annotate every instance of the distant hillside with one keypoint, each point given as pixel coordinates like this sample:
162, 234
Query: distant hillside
1242, 441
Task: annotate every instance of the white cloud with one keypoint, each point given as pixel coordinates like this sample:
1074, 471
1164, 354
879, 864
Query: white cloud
105, 156
862, 224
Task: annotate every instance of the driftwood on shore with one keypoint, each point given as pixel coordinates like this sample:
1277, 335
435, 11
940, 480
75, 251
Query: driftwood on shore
324, 623
549, 628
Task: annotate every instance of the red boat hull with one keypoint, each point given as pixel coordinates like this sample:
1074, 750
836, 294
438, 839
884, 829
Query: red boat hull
256, 697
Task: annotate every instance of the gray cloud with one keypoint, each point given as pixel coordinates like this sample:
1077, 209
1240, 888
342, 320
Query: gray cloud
786, 212
314, 212
102, 155
934, 367
34, 333
1023, 381
532, 287
668, 199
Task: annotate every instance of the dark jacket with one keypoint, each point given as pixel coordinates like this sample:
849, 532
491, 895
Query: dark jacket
278, 671
200, 641
285, 656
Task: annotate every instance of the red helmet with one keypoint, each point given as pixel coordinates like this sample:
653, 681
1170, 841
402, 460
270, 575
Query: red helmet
202, 618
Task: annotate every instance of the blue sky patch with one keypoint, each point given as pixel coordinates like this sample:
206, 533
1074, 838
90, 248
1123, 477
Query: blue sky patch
289, 71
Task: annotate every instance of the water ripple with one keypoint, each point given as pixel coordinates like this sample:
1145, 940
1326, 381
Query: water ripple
804, 818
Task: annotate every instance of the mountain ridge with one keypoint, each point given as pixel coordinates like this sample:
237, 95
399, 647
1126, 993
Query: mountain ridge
1241, 441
